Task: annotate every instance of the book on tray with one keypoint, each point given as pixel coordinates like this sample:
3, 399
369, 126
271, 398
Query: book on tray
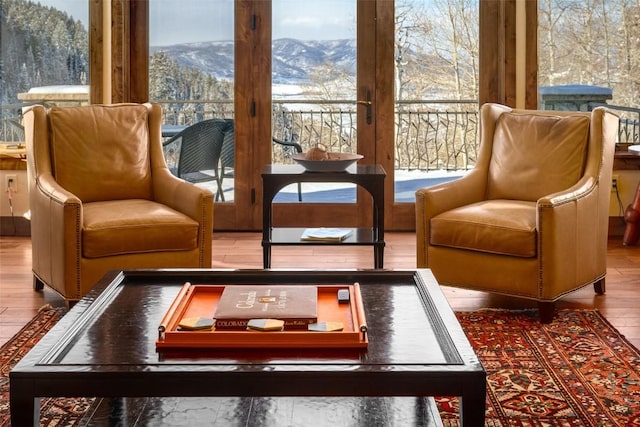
326, 234
296, 305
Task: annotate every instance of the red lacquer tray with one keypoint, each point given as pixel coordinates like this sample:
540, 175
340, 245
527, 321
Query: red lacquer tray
201, 301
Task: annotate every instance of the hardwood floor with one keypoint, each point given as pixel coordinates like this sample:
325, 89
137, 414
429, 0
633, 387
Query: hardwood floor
620, 305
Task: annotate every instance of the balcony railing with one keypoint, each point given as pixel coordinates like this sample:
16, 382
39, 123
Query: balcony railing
629, 129
11, 128
430, 135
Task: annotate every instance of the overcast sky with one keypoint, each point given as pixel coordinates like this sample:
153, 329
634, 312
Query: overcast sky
183, 21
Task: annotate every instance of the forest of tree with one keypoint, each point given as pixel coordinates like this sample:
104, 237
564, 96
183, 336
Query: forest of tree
40, 46
170, 81
586, 42
593, 42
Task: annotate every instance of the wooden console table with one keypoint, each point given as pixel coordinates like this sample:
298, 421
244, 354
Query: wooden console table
13, 156
626, 160
370, 177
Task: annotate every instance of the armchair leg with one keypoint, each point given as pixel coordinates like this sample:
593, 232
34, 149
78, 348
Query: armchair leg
599, 287
547, 310
38, 284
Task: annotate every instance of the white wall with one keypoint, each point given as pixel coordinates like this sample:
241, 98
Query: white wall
627, 184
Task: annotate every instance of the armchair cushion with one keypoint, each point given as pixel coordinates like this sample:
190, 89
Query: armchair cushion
101, 145
525, 144
121, 227
505, 227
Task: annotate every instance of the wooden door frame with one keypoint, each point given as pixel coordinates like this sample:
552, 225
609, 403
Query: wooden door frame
252, 106
379, 56
508, 58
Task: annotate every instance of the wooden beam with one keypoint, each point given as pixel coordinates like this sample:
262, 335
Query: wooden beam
498, 51
96, 57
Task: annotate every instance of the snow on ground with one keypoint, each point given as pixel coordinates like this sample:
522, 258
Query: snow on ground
406, 184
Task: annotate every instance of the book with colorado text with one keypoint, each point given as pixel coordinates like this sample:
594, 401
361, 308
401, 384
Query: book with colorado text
324, 234
296, 305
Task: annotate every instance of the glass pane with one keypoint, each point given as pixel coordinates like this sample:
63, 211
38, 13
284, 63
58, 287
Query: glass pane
44, 59
589, 55
436, 91
191, 75
314, 87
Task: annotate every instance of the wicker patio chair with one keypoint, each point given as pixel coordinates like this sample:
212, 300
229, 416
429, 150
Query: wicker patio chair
205, 151
194, 153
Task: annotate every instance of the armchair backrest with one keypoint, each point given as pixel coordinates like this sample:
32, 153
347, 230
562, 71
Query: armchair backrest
534, 153
102, 152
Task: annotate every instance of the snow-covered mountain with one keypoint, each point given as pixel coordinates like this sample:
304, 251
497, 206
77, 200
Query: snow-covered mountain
293, 60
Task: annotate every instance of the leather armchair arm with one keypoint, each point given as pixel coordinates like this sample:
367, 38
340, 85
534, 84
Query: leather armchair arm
192, 201
49, 188
180, 195
431, 201
581, 189
568, 224
449, 195
57, 218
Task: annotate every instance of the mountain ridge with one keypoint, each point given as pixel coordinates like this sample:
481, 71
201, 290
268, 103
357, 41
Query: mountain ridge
293, 60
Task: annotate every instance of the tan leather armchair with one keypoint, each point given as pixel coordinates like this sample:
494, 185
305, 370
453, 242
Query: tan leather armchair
102, 198
531, 219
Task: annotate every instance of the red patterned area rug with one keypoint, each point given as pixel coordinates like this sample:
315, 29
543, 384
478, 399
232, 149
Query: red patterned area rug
578, 371
59, 412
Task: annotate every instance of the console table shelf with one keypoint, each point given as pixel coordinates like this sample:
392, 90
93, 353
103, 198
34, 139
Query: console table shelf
291, 236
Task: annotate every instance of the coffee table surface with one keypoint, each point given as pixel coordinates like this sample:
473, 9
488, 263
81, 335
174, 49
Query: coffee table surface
105, 346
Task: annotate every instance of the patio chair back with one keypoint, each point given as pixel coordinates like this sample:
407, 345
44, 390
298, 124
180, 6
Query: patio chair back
196, 150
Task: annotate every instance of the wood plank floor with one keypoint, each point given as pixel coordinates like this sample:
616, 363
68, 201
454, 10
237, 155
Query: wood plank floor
621, 304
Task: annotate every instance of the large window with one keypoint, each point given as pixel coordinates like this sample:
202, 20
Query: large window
44, 59
191, 74
120, 51
589, 53
314, 86
591, 42
436, 92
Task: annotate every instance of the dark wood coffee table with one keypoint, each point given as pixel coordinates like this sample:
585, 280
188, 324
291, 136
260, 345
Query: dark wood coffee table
105, 347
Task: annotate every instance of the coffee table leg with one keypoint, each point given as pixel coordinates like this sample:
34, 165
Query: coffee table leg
472, 408
266, 256
378, 256
25, 409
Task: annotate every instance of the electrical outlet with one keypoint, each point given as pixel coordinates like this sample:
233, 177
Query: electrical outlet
11, 181
615, 183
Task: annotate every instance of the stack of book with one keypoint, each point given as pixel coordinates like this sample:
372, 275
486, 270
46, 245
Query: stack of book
323, 234
295, 305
